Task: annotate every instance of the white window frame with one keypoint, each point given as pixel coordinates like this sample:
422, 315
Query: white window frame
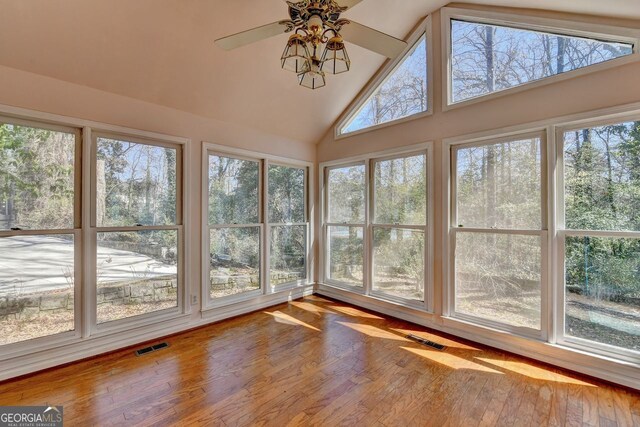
84, 262
398, 226
450, 149
368, 161
264, 160
159, 315
563, 233
46, 341
423, 30
326, 224
534, 23
271, 225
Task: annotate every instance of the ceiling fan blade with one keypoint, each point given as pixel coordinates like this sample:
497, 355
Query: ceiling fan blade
348, 3
373, 40
251, 36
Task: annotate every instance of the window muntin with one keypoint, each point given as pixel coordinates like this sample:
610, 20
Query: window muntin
601, 239
497, 232
288, 225
235, 240
487, 58
136, 189
402, 94
40, 167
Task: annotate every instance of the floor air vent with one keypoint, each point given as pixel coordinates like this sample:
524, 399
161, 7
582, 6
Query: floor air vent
151, 349
426, 342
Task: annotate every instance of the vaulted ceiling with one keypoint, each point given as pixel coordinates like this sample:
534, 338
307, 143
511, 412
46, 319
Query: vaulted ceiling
162, 51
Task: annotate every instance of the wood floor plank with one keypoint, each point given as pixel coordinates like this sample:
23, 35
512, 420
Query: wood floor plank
320, 362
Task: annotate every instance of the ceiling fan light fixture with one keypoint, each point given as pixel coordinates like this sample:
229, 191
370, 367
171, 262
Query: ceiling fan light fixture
295, 55
335, 59
312, 76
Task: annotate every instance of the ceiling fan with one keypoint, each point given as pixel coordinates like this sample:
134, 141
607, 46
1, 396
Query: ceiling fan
317, 24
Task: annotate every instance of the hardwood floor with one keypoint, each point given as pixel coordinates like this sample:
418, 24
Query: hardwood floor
321, 362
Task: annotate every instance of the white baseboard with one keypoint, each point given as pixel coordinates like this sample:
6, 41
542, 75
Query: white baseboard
93, 346
612, 370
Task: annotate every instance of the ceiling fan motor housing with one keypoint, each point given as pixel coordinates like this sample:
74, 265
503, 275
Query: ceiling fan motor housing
327, 10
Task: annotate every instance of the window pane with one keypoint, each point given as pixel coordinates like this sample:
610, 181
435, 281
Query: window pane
234, 261
233, 191
137, 273
398, 262
135, 184
490, 58
498, 278
346, 250
402, 94
346, 194
288, 254
401, 191
36, 286
36, 178
602, 177
286, 194
603, 290
499, 185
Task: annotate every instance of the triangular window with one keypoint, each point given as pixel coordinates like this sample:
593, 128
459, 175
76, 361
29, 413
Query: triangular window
401, 94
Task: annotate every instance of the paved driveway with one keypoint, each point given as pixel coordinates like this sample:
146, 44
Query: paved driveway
41, 263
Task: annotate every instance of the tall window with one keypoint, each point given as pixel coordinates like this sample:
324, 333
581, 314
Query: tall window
403, 93
234, 226
138, 222
399, 227
345, 210
258, 225
601, 235
487, 58
498, 231
39, 230
377, 227
288, 224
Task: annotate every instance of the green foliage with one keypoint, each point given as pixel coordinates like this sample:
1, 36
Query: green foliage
400, 196
233, 191
286, 194
37, 177
346, 194
602, 192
